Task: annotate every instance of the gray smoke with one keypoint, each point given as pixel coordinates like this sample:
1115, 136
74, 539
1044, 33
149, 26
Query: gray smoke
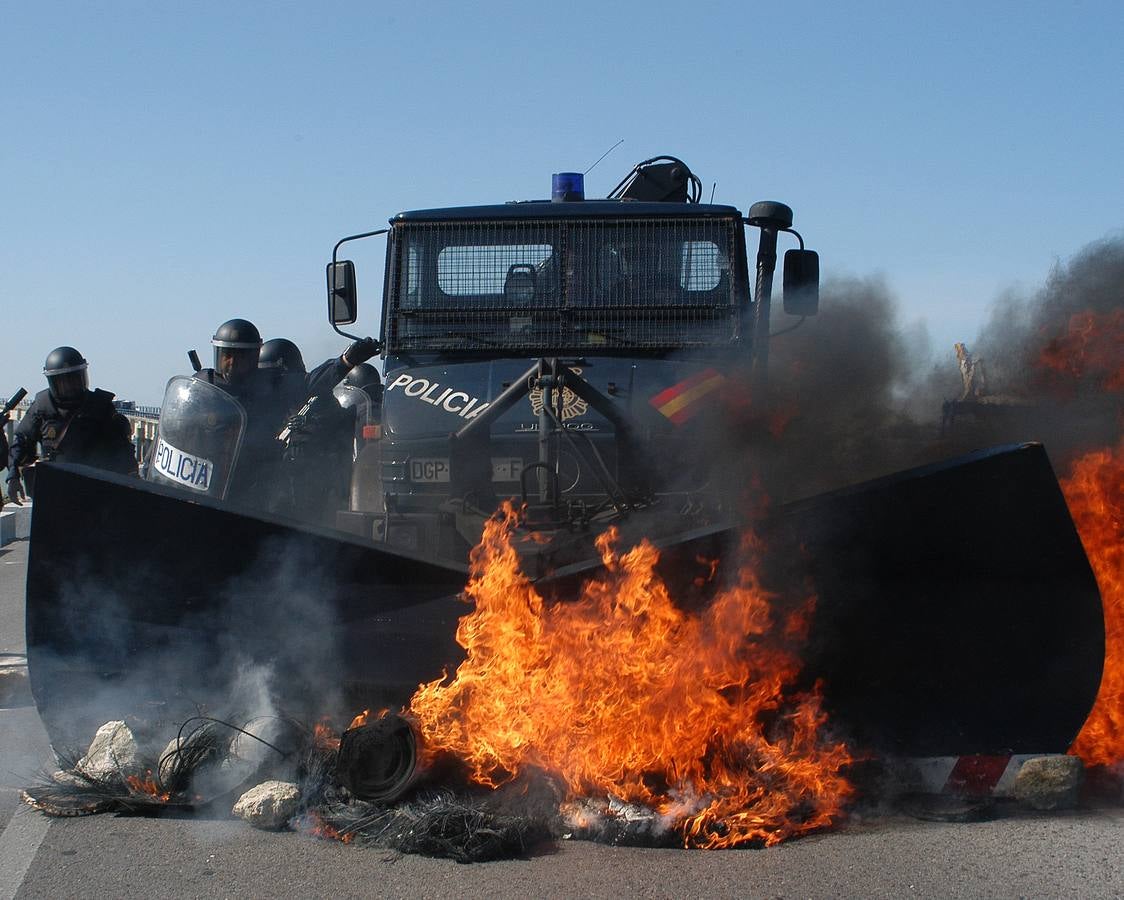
263, 646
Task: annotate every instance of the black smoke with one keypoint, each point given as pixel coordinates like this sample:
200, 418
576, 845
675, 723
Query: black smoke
854, 393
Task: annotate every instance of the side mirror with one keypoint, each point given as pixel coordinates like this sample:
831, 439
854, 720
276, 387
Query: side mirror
801, 282
343, 307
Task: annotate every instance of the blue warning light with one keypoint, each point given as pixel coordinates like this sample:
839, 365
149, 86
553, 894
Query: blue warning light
567, 187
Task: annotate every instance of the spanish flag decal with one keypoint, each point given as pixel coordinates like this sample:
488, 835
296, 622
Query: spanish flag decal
682, 401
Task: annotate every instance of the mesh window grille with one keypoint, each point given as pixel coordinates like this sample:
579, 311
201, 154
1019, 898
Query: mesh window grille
553, 285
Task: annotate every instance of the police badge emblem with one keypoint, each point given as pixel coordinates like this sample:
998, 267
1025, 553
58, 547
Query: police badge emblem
572, 405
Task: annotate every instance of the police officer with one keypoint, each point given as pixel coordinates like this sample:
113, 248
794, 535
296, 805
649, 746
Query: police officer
236, 346
71, 423
281, 354
268, 403
3, 449
237, 343
317, 435
283, 363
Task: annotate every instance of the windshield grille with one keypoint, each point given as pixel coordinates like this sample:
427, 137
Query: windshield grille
658, 283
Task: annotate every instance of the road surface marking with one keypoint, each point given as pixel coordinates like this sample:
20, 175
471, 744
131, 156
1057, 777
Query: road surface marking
18, 845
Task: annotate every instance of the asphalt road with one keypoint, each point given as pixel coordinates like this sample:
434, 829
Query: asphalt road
1078, 854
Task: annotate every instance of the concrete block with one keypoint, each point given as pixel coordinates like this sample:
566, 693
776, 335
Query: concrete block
15, 523
14, 687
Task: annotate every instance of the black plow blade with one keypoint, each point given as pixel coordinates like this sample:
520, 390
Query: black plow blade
141, 602
956, 609
957, 613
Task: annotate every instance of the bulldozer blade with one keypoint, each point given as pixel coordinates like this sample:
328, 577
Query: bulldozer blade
956, 610
958, 613
144, 603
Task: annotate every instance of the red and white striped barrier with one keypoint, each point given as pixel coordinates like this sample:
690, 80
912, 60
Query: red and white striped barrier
962, 776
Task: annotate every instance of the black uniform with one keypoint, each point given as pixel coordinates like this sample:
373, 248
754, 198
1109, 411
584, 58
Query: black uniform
270, 383
296, 388
257, 472
260, 479
90, 432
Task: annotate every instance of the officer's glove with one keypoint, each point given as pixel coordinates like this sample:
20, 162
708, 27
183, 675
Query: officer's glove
15, 489
360, 352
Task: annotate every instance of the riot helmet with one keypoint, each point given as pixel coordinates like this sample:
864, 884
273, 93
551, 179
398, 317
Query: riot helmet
364, 376
282, 355
237, 344
67, 379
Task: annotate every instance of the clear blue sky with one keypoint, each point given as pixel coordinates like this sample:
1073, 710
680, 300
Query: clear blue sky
168, 166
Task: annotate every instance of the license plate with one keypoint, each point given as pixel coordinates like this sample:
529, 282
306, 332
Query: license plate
429, 471
435, 470
506, 468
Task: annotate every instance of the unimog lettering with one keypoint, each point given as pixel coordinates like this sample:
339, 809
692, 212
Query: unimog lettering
432, 392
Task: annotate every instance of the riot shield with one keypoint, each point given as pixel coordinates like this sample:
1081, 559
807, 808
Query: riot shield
366, 413
351, 397
198, 439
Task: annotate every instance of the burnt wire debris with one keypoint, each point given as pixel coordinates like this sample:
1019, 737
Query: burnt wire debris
426, 806
466, 825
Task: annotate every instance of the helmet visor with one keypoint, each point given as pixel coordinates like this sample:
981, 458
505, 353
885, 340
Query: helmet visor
69, 387
235, 364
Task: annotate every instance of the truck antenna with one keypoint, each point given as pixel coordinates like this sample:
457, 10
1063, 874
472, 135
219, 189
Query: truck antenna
603, 155
713, 187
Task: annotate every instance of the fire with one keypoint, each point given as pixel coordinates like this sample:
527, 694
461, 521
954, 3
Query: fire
1091, 351
324, 736
313, 824
1092, 348
623, 693
366, 716
147, 785
1095, 494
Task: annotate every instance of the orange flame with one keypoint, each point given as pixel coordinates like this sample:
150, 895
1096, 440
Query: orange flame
147, 785
324, 736
622, 693
1092, 347
366, 716
1095, 494
312, 823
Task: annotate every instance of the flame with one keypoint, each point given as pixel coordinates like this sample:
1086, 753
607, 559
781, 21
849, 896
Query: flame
1091, 352
622, 693
1092, 348
324, 736
1095, 494
366, 716
312, 823
147, 785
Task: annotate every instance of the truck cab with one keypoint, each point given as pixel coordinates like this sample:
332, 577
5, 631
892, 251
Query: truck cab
570, 355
